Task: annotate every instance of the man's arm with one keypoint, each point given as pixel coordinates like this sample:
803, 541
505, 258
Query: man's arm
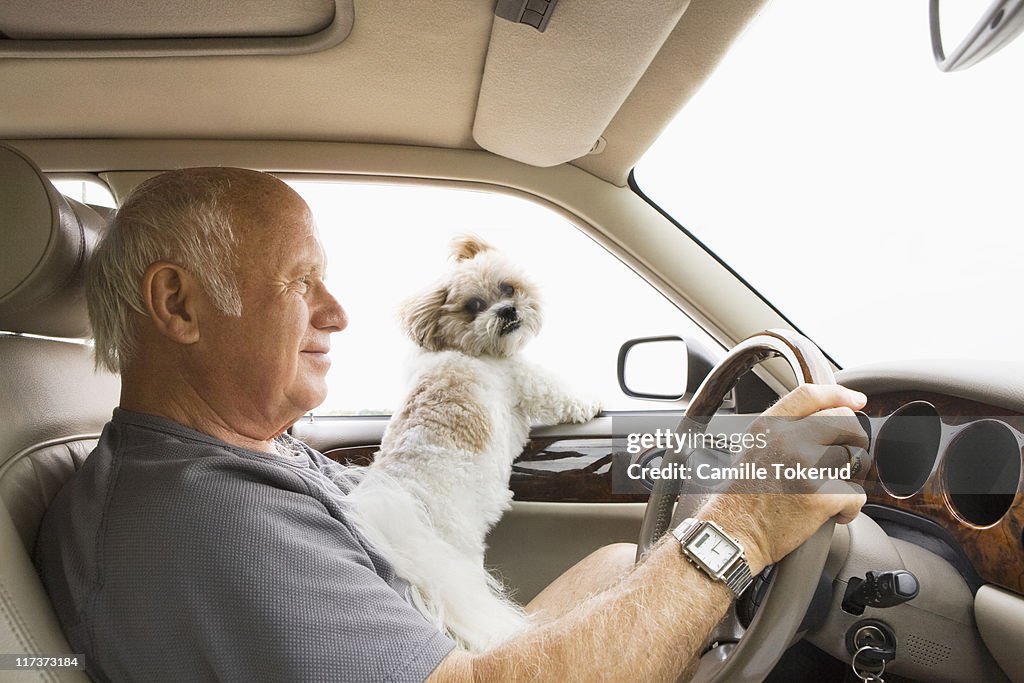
652, 624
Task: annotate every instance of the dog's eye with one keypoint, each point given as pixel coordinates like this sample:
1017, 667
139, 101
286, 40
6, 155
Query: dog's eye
475, 305
506, 289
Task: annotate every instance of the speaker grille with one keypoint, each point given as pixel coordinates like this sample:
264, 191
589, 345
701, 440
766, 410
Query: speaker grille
927, 652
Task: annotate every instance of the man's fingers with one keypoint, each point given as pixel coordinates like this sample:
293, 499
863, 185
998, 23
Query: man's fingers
809, 438
847, 501
835, 456
843, 426
838, 412
808, 399
851, 508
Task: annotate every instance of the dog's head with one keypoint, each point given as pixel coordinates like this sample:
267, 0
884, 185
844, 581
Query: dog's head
483, 306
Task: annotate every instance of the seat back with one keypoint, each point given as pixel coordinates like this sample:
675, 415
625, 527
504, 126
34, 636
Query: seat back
52, 403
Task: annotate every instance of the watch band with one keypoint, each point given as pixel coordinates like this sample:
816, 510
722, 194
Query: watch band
736, 575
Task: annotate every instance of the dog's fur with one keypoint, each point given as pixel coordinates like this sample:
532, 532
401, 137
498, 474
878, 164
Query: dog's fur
440, 480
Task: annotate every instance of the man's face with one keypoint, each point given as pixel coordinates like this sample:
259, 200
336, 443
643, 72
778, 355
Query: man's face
267, 367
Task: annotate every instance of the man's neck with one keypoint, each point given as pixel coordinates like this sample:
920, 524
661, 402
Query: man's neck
186, 407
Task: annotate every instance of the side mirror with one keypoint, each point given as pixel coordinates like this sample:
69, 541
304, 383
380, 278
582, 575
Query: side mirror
662, 368
1001, 23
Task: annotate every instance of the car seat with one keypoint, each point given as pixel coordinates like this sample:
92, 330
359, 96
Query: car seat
53, 404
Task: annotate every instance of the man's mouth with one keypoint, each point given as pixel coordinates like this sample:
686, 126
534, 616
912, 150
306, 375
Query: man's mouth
509, 326
319, 354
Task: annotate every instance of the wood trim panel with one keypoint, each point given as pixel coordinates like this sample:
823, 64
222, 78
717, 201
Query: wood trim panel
996, 551
550, 470
357, 456
568, 471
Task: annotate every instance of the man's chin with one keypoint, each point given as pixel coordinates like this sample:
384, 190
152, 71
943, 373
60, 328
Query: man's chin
310, 396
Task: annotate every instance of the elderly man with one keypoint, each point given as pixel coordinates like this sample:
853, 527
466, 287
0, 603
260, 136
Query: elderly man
200, 541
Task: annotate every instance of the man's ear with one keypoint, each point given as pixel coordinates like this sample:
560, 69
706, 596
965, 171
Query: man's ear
170, 295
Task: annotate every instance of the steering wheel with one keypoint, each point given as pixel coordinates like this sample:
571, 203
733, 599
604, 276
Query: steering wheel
793, 585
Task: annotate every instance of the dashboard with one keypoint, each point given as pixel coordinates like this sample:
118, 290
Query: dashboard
955, 462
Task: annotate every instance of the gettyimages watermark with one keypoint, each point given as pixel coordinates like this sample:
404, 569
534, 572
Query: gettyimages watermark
780, 455
670, 440
976, 463
745, 471
718, 468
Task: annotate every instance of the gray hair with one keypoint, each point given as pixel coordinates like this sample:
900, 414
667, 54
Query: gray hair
182, 217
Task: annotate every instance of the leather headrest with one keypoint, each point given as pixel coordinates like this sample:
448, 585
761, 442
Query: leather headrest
45, 243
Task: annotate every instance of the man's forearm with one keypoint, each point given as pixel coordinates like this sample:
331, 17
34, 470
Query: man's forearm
649, 626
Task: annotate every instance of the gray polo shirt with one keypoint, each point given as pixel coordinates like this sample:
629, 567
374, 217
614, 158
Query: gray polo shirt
174, 556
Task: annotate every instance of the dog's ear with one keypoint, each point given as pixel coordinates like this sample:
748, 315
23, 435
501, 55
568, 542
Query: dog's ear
465, 247
421, 315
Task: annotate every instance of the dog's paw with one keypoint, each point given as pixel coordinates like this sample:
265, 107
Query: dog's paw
583, 410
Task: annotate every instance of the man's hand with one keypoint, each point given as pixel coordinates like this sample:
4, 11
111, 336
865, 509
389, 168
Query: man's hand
814, 426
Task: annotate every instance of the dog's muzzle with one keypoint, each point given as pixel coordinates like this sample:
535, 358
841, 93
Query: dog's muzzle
510, 321
509, 327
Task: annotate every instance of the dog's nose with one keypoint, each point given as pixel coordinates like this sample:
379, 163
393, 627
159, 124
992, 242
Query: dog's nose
507, 313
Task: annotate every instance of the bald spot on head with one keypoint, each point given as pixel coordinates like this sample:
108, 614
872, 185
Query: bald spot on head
256, 200
239, 187
262, 207
252, 196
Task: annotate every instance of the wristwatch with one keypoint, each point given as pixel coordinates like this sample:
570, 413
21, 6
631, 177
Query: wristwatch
715, 553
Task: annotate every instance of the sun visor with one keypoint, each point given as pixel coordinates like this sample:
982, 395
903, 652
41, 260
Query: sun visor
167, 28
557, 72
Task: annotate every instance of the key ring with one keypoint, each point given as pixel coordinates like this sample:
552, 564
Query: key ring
867, 676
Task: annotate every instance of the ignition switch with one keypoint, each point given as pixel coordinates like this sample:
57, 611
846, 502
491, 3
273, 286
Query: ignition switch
873, 639
880, 589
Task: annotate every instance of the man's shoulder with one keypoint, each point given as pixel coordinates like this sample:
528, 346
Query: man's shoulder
171, 504
153, 480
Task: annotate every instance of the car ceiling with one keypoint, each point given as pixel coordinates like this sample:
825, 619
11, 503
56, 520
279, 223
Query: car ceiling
408, 74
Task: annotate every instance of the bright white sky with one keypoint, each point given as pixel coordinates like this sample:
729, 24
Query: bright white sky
873, 199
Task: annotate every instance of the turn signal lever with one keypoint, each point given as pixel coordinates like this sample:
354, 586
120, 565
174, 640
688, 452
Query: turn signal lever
880, 589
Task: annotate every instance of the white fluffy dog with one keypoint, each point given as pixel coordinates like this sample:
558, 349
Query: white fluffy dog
440, 480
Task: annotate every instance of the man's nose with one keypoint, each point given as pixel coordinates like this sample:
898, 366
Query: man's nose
329, 315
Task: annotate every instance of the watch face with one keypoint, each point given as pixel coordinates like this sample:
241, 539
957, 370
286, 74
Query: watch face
713, 549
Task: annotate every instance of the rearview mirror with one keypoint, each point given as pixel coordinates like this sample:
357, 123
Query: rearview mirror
1001, 23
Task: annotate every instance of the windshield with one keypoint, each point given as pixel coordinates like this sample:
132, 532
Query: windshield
874, 200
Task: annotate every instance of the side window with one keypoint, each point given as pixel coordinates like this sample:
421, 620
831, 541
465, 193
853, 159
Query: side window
85, 190
386, 243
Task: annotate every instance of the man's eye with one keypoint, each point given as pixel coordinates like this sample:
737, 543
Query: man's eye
475, 305
507, 289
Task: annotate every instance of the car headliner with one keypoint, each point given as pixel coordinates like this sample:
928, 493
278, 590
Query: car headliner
408, 74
